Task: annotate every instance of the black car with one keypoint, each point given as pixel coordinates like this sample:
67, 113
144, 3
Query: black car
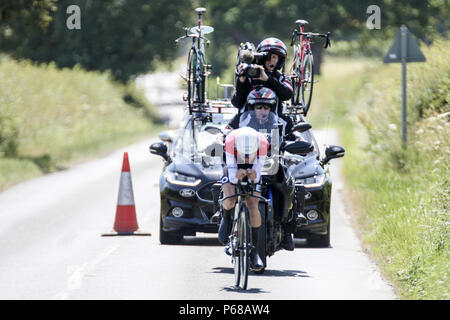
189, 187
312, 173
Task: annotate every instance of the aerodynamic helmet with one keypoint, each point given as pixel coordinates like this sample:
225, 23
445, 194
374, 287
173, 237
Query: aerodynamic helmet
246, 143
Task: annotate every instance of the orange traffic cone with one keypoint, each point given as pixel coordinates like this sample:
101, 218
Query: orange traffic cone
125, 222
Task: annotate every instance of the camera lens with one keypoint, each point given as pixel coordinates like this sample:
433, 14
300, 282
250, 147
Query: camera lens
252, 72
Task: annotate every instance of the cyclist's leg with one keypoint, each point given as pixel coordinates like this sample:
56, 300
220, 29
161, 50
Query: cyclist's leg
227, 211
228, 190
255, 222
255, 215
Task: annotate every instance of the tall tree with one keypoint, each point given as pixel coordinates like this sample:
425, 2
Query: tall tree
127, 37
19, 17
251, 20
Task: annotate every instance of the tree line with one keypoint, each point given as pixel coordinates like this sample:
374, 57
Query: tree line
131, 37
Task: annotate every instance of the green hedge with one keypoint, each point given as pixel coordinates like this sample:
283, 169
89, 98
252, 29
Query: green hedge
50, 117
403, 193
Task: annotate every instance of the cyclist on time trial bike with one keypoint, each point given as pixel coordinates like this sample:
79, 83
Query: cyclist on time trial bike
245, 150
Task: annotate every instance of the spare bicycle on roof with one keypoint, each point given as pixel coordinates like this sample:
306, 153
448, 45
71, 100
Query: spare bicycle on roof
302, 68
197, 68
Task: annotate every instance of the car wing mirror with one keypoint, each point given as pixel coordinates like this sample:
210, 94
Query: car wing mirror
212, 130
166, 136
301, 127
333, 152
298, 147
160, 149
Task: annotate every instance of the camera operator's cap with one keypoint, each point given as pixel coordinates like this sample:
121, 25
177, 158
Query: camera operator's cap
262, 95
272, 45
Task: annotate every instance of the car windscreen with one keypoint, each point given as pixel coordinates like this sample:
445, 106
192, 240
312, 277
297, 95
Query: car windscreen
193, 139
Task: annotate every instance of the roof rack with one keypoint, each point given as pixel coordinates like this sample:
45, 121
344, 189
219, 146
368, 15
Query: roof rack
294, 109
215, 106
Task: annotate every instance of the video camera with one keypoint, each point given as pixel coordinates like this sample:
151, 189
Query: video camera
248, 56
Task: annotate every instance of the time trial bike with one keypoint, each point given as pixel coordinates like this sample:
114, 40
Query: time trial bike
240, 238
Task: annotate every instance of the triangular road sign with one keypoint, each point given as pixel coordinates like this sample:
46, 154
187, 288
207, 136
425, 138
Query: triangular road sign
412, 53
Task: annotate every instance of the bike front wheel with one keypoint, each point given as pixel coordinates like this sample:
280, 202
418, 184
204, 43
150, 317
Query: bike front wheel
241, 259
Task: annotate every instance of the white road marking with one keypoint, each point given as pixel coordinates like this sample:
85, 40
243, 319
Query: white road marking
76, 273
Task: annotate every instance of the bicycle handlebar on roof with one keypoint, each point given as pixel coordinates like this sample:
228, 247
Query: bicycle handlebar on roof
327, 35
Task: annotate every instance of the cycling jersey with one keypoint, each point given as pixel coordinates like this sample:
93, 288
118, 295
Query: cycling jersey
232, 163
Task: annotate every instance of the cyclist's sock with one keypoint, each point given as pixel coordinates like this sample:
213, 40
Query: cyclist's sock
255, 234
228, 215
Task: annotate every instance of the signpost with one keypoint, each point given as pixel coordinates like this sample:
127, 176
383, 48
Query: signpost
404, 49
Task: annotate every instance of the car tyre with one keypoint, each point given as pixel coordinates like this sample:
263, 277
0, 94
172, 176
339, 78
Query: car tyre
321, 241
168, 237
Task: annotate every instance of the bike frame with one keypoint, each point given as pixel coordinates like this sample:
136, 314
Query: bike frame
300, 50
242, 194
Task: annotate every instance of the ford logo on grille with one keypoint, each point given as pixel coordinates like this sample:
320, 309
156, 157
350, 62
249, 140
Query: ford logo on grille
187, 193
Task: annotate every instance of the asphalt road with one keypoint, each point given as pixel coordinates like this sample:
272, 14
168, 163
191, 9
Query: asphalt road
51, 245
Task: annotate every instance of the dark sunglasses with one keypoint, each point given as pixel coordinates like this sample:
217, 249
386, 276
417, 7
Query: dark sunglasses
261, 106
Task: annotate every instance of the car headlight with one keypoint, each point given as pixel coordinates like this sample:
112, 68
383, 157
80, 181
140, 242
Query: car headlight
312, 182
181, 179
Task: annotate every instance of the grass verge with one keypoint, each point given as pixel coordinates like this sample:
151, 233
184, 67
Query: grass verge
51, 117
403, 194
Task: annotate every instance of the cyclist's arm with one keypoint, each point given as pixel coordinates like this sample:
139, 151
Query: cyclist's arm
257, 166
232, 168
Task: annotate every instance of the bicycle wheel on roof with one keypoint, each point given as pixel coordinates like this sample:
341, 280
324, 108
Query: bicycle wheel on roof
307, 82
196, 78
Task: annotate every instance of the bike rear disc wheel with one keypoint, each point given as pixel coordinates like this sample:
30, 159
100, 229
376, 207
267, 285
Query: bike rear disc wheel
307, 82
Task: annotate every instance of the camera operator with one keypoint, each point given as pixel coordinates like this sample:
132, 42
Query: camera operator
272, 60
